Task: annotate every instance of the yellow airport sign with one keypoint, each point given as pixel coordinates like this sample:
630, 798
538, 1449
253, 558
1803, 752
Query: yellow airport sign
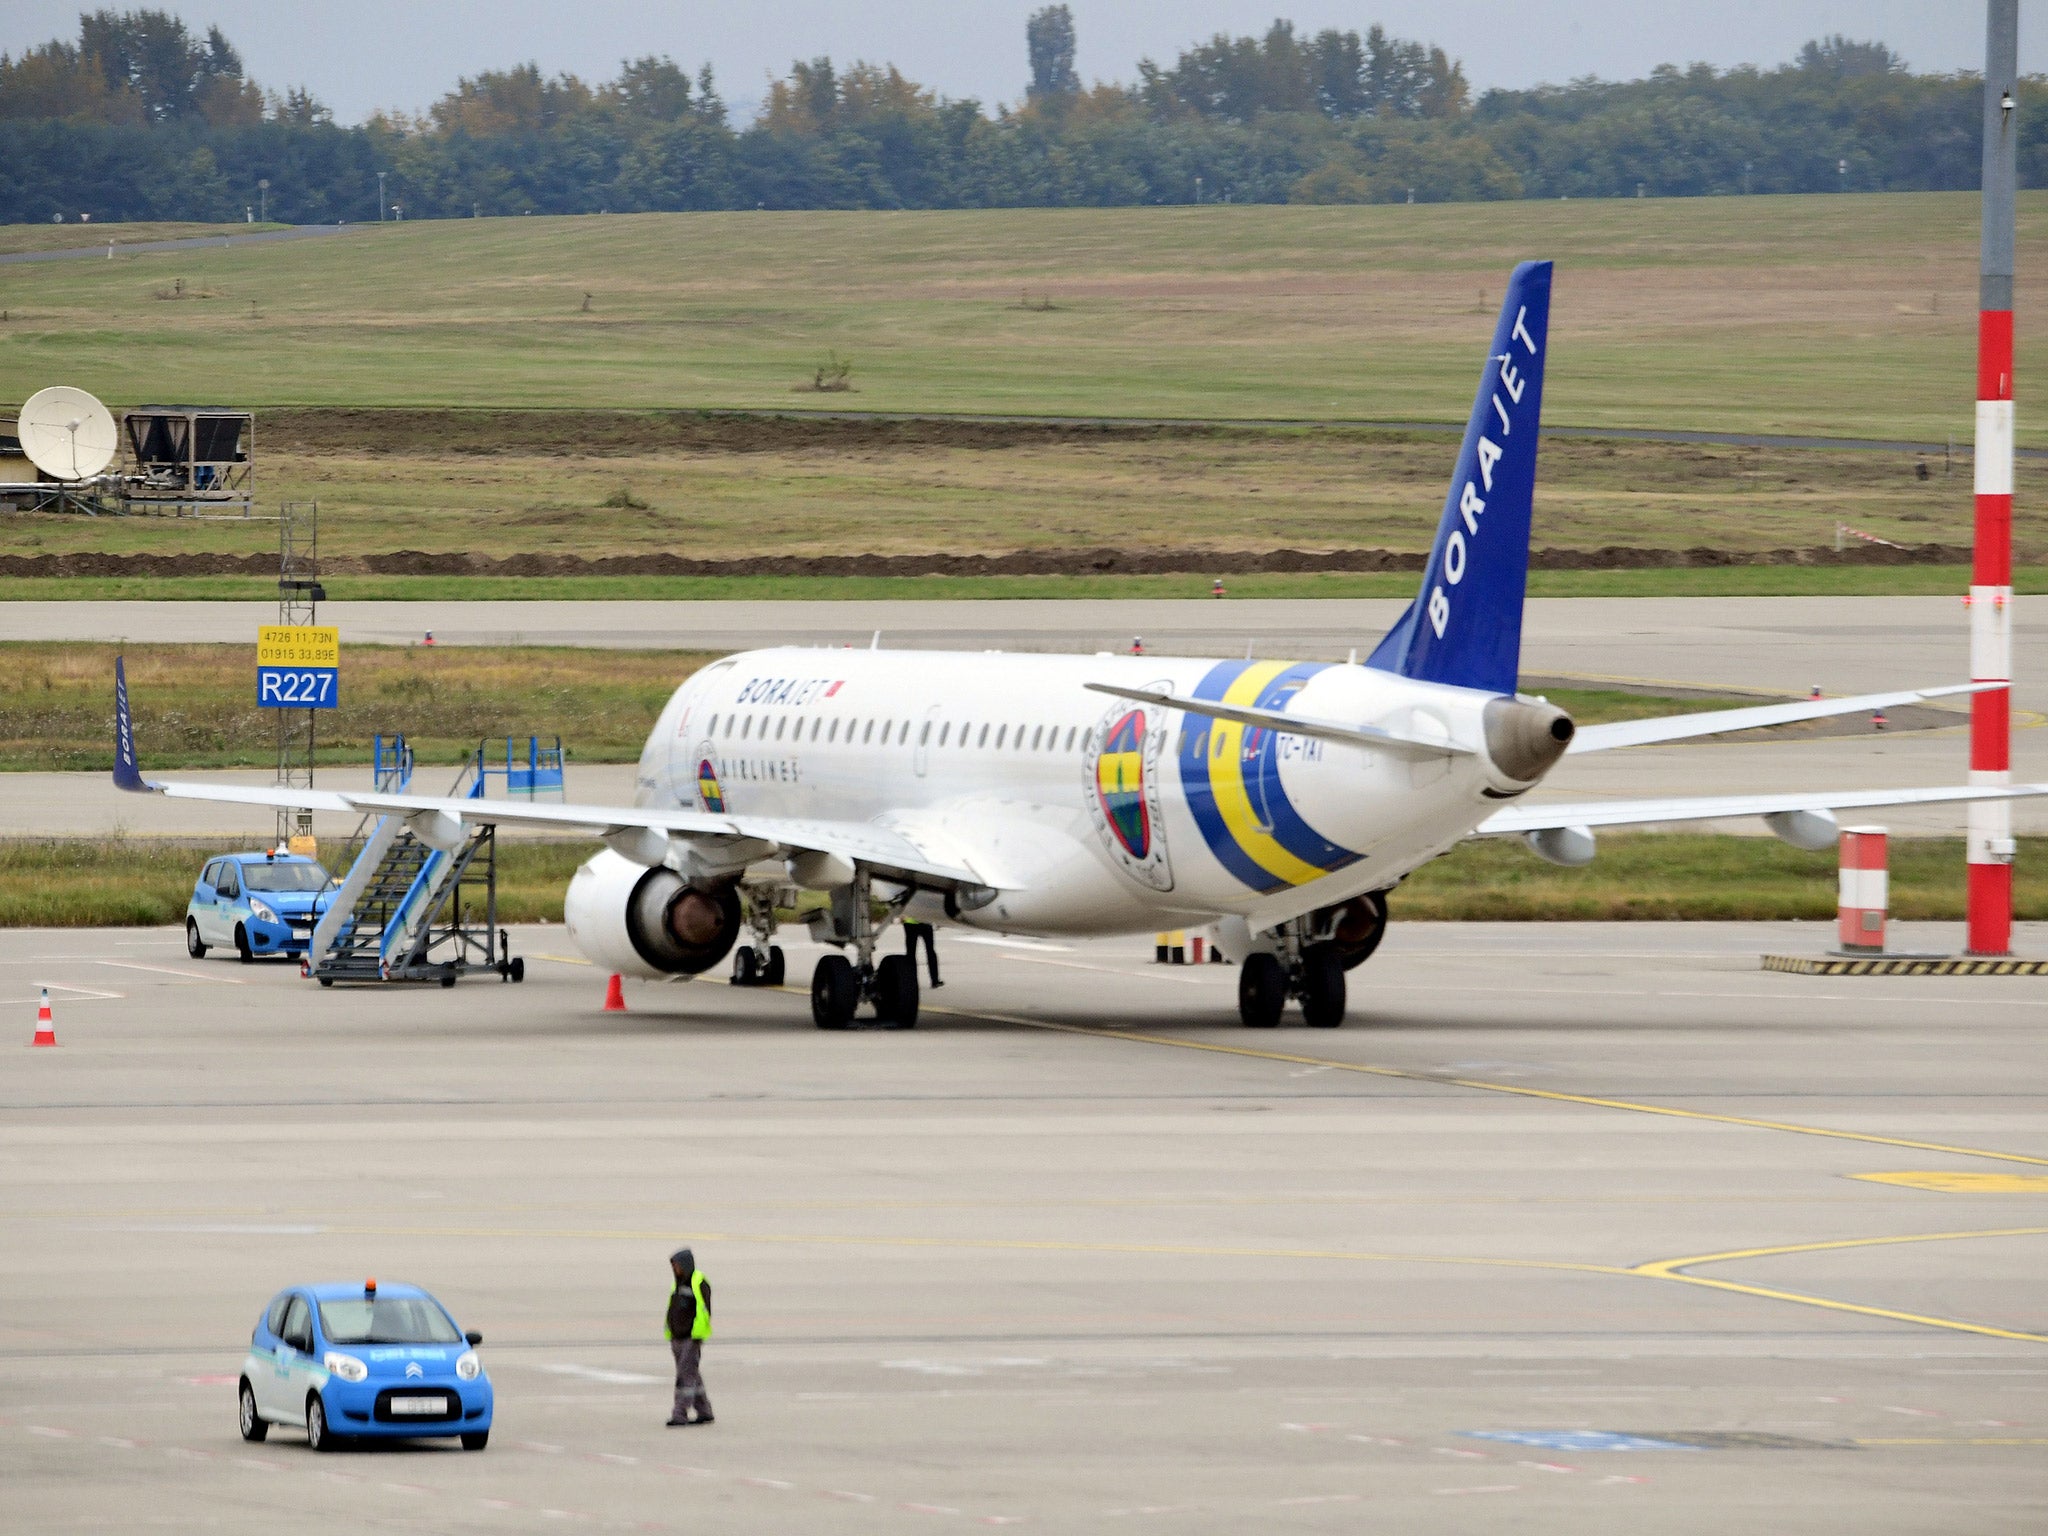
298, 645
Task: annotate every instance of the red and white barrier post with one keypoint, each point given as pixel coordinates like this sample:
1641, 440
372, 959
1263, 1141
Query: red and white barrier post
1865, 891
1990, 842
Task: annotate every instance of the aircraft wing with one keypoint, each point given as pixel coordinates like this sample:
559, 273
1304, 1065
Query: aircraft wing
1638, 733
887, 851
1622, 813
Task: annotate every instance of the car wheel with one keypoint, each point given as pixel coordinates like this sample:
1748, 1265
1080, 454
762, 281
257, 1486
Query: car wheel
1261, 991
318, 1435
835, 992
773, 974
193, 946
242, 949
254, 1425
476, 1441
896, 992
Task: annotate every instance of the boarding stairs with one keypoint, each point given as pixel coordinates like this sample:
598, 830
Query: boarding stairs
406, 910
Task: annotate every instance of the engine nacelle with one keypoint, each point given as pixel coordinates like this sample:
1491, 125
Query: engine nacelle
649, 922
1356, 927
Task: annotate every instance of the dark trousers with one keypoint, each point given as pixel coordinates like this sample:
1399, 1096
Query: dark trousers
690, 1392
913, 933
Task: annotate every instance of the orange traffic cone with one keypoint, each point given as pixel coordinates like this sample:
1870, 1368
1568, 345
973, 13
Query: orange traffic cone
46, 1027
614, 997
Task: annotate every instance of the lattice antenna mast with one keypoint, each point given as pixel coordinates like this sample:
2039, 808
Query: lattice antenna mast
298, 594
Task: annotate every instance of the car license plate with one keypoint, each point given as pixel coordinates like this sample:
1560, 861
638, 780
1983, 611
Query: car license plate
419, 1405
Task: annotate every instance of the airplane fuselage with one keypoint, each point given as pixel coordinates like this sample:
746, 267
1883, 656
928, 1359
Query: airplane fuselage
1085, 813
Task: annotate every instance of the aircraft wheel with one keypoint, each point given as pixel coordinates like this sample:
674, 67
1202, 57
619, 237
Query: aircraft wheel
193, 947
745, 967
1261, 991
772, 973
1322, 986
835, 992
896, 992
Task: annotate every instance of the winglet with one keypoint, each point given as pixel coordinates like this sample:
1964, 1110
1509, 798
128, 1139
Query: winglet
126, 775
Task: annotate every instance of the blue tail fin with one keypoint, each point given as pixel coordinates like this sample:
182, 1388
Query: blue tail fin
1465, 626
127, 775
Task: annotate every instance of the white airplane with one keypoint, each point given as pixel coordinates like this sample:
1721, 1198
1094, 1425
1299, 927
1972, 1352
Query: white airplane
1276, 803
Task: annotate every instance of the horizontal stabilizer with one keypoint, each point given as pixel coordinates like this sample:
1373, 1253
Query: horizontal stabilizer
1716, 722
1290, 724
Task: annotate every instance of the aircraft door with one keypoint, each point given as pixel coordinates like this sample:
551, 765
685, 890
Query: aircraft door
690, 743
927, 731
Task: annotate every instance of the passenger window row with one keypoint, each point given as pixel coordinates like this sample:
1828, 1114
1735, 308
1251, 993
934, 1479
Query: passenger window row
1040, 738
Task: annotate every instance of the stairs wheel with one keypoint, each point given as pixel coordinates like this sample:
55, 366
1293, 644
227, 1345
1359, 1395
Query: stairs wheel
518, 971
326, 981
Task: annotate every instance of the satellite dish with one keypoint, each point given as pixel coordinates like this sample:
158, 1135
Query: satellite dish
66, 433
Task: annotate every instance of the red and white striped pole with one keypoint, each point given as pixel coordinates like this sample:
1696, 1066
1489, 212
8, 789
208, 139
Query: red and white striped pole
1990, 825
1864, 884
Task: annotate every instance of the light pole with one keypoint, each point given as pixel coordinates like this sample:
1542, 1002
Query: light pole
263, 199
380, 195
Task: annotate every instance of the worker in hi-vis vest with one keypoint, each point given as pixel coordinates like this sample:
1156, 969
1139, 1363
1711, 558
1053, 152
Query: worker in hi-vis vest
689, 1325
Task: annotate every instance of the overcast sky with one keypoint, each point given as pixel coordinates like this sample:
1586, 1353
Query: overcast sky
366, 54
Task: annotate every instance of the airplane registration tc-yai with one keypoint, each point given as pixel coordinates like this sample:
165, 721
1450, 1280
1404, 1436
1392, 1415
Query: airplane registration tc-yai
1275, 803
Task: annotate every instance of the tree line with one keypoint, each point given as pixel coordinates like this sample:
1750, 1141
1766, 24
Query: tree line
139, 118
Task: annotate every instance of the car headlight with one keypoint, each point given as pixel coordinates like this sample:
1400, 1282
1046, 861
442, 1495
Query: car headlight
347, 1367
262, 910
468, 1367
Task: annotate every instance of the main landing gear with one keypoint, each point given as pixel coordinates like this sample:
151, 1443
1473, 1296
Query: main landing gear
840, 985
1309, 963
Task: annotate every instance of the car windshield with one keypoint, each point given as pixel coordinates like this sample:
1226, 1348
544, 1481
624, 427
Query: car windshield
284, 877
387, 1320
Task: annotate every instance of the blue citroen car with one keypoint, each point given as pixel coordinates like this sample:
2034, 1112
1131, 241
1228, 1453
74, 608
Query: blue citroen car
261, 903
346, 1361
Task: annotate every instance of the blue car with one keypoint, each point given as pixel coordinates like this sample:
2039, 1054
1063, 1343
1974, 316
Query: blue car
355, 1361
261, 903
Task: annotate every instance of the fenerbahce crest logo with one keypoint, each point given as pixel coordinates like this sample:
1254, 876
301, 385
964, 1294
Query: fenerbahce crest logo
1124, 777
708, 789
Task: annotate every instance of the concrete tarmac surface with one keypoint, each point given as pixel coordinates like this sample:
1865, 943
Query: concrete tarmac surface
1572, 1228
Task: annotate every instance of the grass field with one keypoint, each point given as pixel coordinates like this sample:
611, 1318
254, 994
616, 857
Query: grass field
1641, 876
1842, 315
1735, 581
507, 486
194, 704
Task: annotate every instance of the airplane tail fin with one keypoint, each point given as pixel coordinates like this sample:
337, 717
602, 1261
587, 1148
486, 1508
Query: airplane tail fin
127, 774
1465, 626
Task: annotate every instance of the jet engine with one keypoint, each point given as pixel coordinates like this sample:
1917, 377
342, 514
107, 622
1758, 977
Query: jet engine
650, 922
1356, 927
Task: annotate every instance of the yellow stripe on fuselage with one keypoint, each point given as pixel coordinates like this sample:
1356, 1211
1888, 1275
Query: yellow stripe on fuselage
1226, 783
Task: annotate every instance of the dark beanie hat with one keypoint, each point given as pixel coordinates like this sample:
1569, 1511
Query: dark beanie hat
684, 1257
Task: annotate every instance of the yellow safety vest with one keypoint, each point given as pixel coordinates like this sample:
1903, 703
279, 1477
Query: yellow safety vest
700, 1328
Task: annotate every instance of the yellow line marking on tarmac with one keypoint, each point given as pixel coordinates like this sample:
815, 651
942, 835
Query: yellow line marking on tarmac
1656, 1269
1482, 1085
562, 959
1672, 1269
1959, 1183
